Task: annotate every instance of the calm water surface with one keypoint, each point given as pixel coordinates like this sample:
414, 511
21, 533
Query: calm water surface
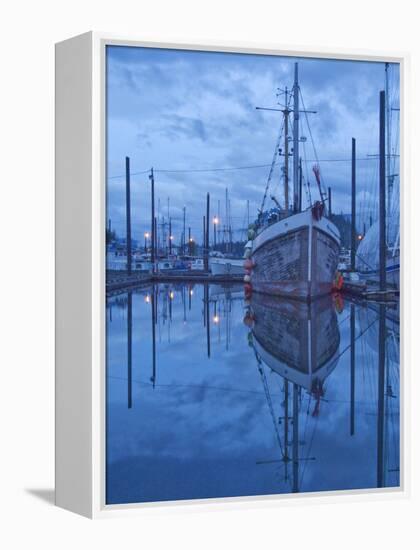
208, 396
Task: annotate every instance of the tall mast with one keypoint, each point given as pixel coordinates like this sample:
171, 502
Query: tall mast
183, 230
382, 202
286, 153
152, 222
296, 141
128, 213
388, 140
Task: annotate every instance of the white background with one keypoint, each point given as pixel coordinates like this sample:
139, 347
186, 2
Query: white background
29, 30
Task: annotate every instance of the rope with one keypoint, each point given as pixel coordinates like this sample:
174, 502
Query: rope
270, 174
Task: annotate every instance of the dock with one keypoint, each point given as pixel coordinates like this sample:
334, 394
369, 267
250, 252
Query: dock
370, 292
120, 280
117, 281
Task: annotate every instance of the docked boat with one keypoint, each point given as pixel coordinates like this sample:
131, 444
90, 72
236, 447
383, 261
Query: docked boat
118, 262
367, 259
344, 260
197, 264
296, 257
226, 266
370, 272
293, 251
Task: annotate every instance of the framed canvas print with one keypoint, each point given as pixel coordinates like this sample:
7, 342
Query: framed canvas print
229, 274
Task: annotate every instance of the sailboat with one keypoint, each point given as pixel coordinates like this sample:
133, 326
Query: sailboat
294, 252
368, 251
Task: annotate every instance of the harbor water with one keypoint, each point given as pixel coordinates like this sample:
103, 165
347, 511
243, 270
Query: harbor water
208, 396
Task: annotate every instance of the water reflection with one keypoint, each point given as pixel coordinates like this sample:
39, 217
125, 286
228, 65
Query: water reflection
208, 396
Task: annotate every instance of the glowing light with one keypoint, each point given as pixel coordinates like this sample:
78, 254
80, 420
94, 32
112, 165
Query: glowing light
360, 237
147, 235
191, 240
191, 292
171, 295
215, 220
171, 237
216, 319
147, 299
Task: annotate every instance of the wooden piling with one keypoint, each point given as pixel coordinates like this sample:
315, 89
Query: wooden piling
353, 205
382, 192
128, 213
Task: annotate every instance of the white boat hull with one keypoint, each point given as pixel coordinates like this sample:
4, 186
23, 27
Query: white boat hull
392, 272
226, 266
296, 257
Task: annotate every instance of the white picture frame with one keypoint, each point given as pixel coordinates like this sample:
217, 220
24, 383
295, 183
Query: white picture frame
80, 284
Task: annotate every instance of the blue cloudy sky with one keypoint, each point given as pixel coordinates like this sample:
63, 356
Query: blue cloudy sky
185, 110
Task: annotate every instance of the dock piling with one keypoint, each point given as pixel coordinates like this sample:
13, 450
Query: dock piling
128, 213
353, 204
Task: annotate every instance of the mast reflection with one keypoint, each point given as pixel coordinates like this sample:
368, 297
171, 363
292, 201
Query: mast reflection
300, 342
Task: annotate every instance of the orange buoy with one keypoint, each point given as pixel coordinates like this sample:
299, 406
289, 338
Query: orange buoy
248, 264
338, 281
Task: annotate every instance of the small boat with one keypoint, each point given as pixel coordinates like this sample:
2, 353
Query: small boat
197, 264
344, 260
118, 262
165, 265
368, 257
226, 266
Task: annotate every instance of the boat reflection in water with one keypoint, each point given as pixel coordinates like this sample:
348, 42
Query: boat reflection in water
200, 404
299, 341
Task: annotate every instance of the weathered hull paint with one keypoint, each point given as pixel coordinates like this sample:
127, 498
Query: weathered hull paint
296, 257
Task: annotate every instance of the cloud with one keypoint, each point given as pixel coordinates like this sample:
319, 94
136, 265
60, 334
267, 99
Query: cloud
174, 109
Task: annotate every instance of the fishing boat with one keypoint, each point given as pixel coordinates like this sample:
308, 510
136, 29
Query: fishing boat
294, 251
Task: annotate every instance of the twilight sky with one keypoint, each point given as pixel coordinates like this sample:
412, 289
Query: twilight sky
182, 111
